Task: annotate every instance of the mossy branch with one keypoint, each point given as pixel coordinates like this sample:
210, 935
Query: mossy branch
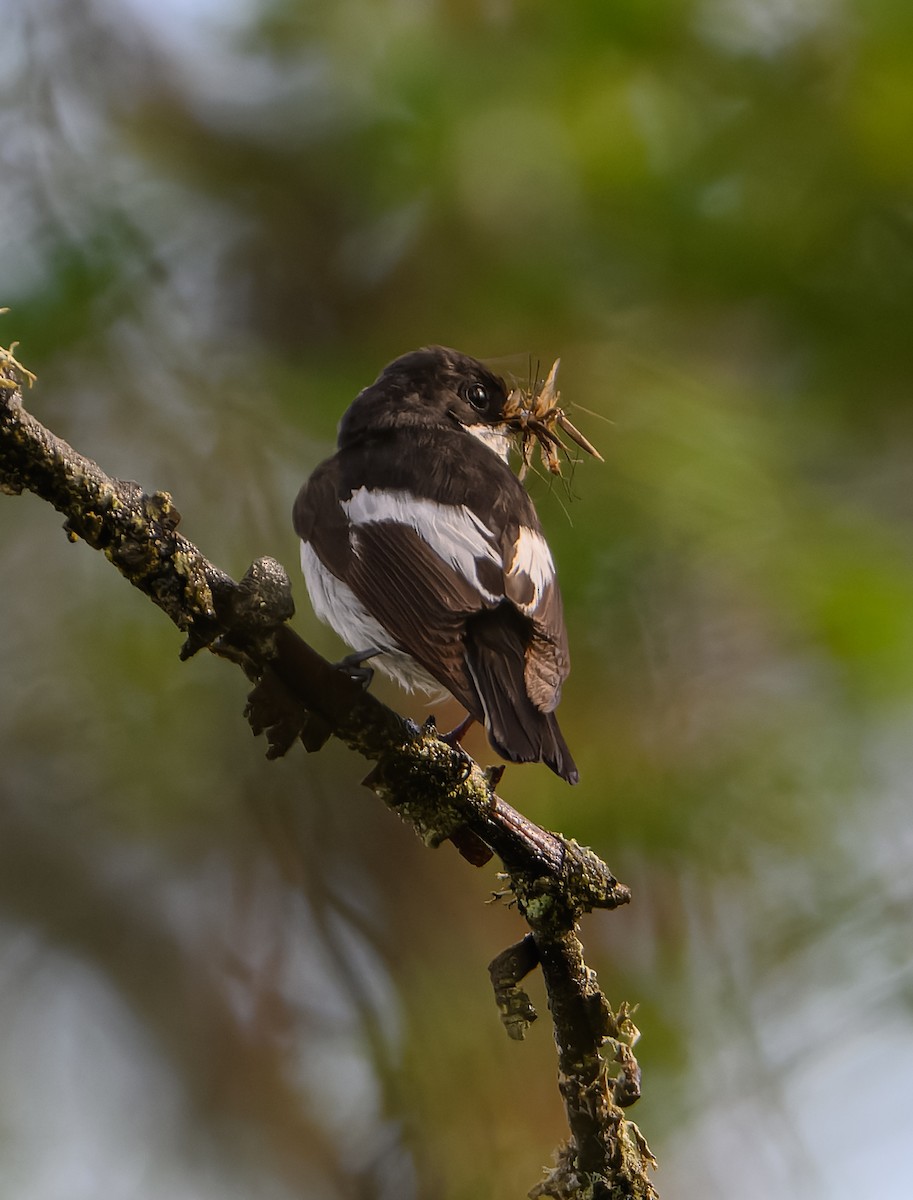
437, 789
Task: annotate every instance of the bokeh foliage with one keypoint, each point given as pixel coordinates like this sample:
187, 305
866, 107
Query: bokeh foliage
223, 976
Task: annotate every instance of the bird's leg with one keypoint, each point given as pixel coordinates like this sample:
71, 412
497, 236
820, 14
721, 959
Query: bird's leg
452, 738
456, 735
354, 665
468, 843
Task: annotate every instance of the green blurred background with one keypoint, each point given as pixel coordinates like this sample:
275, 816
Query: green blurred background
221, 977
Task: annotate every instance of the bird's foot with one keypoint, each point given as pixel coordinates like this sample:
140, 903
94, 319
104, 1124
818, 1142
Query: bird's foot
468, 843
430, 727
353, 665
456, 735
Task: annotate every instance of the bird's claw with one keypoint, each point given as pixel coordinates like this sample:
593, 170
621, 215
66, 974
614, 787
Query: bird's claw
353, 665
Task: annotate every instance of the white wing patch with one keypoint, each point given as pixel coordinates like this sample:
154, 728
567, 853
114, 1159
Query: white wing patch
336, 605
532, 557
452, 531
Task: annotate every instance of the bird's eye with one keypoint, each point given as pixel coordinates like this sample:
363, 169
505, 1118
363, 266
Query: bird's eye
476, 394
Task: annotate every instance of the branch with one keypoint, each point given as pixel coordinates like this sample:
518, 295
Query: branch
439, 790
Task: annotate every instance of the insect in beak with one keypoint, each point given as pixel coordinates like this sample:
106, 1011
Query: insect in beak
535, 415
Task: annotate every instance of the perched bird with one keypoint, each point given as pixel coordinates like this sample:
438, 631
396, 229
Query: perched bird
419, 542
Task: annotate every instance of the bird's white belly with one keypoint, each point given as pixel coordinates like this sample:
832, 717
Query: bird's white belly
336, 604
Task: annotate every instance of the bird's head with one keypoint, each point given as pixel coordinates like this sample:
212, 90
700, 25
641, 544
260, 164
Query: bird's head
434, 386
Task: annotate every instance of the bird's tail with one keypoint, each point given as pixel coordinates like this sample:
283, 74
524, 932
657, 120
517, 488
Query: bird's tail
536, 740
518, 730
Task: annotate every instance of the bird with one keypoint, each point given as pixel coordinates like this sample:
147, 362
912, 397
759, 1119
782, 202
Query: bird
420, 545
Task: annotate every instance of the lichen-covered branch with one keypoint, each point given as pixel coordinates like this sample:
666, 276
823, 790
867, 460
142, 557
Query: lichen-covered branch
443, 794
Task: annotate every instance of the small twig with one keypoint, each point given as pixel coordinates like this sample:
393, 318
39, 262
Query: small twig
507, 970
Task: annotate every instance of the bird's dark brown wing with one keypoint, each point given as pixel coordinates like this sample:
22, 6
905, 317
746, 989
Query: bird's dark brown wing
420, 600
489, 656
